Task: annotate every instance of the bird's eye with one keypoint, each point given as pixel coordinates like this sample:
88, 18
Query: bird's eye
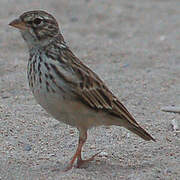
37, 21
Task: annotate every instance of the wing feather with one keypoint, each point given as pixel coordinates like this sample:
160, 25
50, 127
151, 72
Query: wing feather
91, 90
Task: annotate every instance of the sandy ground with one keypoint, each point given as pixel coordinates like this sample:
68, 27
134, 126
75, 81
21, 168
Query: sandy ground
135, 47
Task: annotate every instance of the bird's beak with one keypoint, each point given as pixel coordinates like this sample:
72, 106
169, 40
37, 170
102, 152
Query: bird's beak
17, 23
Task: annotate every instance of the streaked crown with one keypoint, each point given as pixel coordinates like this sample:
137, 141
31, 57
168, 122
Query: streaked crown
37, 27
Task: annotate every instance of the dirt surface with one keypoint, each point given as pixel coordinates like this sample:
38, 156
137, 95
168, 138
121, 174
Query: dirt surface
134, 46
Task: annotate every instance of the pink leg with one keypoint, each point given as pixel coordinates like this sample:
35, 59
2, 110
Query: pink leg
80, 162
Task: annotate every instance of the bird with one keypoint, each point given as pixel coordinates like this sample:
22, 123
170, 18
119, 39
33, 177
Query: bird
67, 88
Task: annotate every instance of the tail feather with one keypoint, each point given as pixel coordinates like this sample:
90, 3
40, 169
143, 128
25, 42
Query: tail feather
140, 132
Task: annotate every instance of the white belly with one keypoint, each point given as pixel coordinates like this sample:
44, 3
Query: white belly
70, 111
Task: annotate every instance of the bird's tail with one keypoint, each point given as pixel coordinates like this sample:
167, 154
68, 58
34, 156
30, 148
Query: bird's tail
126, 120
140, 132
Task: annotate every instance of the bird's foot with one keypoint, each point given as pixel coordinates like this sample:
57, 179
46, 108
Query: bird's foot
80, 162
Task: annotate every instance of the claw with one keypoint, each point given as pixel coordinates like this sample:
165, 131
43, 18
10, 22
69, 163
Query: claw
69, 167
80, 162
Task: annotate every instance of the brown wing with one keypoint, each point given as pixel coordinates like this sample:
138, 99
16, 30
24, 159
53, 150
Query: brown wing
92, 90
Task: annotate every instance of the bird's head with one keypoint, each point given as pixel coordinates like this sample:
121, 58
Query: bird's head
37, 27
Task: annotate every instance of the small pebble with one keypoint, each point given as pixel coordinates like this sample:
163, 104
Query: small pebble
125, 65
27, 147
175, 109
175, 125
128, 135
162, 38
5, 97
105, 154
167, 171
92, 147
74, 19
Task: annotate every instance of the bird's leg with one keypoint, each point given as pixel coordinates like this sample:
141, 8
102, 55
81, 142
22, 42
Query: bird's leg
80, 161
82, 140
